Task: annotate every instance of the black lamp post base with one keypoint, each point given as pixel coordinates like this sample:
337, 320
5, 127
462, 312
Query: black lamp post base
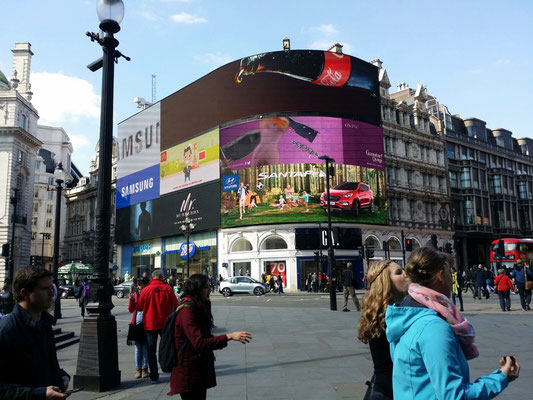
97, 368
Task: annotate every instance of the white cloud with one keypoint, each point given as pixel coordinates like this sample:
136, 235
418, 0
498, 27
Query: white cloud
79, 141
216, 59
59, 98
150, 16
327, 29
184, 18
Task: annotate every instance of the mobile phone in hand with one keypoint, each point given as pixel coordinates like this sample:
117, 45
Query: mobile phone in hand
513, 360
72, 391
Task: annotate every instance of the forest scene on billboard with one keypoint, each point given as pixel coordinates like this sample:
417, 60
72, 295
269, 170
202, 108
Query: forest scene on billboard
294, 193
295, 140
190, 163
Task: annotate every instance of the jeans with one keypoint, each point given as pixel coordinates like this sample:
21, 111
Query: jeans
200, 394
505, 299
459, 295
481, 289
151, 340
141, 354
525, 295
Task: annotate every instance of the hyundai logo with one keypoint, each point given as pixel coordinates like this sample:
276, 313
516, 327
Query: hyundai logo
230, 180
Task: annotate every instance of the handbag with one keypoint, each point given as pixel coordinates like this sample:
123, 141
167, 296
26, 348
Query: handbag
527, 284
136, 332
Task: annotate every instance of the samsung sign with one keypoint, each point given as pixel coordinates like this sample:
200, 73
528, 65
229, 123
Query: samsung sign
230, 182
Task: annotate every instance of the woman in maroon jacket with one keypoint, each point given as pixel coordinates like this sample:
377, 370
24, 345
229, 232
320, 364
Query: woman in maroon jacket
195, 369
504, 285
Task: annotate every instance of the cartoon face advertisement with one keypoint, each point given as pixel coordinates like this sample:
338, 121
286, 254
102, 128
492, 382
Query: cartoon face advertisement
190, 163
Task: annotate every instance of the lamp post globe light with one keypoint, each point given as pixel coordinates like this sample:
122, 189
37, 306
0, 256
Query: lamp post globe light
331, 256
59, 177
97, 368
187, 228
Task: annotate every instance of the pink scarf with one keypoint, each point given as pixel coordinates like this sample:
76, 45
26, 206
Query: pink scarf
445, 308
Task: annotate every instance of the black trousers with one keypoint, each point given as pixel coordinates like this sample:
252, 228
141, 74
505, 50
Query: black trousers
505, 299
196, 395
151, 339
481, 289
373, 392
525, 295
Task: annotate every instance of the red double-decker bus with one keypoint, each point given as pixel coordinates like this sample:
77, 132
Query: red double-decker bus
515, 249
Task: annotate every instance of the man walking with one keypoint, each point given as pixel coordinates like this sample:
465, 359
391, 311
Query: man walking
156, 302
349, 289
279, 281
29, 367
479, 277
519, 274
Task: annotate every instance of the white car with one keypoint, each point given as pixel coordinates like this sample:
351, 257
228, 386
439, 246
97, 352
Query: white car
242, 284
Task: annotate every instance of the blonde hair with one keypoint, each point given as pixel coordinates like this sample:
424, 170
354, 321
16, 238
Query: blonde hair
375, 302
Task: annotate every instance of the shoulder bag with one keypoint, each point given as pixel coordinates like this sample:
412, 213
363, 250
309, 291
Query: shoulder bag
528, 284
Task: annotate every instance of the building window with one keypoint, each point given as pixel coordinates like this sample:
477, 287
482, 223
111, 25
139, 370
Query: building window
22, 121
482, 157
50, 180
522, 190
48, 223
34, 221
35, 207
37, 165
475, 178
453, 179
466, 181
469, 211
21, 156
274, 243
450, 148
409, 177
50, 195
496, 184
49, 208
241, 245
36, 193
482, 180
33, 235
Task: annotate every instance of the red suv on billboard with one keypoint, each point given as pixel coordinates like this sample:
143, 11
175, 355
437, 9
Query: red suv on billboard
349, 196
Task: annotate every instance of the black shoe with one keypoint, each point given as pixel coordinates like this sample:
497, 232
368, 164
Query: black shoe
509, 309
345, 310
462, 309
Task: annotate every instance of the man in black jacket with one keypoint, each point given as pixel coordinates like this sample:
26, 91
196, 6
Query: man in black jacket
349, 288
28, 360
479, 277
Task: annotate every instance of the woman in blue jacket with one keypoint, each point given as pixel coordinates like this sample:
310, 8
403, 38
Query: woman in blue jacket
431, 341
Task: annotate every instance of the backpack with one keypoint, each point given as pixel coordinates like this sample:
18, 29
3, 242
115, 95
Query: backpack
167, 353
86, 289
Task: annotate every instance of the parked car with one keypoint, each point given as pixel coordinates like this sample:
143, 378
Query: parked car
65, 290
242, 284
349, 196
123, 289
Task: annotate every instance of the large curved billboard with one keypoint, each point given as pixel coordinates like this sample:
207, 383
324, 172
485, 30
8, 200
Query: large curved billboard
260, 122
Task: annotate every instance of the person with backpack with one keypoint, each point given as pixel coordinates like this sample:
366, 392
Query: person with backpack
194, 369
156, 302
503, 285
84, 296
141, 346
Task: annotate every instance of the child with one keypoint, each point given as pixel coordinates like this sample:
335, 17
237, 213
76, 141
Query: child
281, 202
306, 196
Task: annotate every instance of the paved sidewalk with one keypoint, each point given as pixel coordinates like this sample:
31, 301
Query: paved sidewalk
307, 353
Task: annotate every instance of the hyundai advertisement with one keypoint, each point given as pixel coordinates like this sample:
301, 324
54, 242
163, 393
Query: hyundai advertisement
292, 193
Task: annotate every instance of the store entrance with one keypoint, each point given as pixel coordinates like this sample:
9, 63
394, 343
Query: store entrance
307, 267
142, 263
242, 268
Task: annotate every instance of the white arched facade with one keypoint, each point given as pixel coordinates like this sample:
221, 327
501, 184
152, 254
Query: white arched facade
267, 250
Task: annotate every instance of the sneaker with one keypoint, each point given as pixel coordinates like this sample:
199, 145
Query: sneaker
528, 308
509, 309
345, 310
153, 382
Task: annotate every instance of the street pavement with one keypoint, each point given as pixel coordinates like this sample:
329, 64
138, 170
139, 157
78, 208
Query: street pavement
302, 350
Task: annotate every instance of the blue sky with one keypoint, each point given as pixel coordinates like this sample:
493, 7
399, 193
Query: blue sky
474, 56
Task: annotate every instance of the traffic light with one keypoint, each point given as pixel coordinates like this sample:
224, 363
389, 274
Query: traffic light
448, 248
500, 252
408, 244
5, 250
369, 253
33, 261
317, 256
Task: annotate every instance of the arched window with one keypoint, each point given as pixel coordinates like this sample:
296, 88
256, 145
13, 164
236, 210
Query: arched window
394, 244
372, 241
416, 244
274, 243
241, 245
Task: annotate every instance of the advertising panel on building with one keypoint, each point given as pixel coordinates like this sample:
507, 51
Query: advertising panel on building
241, 146
138, 157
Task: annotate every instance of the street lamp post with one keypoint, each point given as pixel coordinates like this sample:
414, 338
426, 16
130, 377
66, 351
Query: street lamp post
59, 176
331, 256
187, 228
97, 368
13, 200
43, 235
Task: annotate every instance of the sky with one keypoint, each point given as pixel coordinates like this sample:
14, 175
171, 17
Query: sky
473, 56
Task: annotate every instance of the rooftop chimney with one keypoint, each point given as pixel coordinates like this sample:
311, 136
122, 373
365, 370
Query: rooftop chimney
336, 48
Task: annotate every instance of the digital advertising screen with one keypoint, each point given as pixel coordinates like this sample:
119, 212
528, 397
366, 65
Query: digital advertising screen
293, 193
299, 140
138, 145
190, 163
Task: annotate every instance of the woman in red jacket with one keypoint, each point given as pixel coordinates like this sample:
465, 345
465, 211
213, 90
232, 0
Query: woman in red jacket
504, 285
141, 346
194, 372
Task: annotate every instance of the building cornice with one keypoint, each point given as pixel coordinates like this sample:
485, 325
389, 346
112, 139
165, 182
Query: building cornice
21, 134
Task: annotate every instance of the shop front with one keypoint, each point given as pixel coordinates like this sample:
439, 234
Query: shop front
140, 257
201, 255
